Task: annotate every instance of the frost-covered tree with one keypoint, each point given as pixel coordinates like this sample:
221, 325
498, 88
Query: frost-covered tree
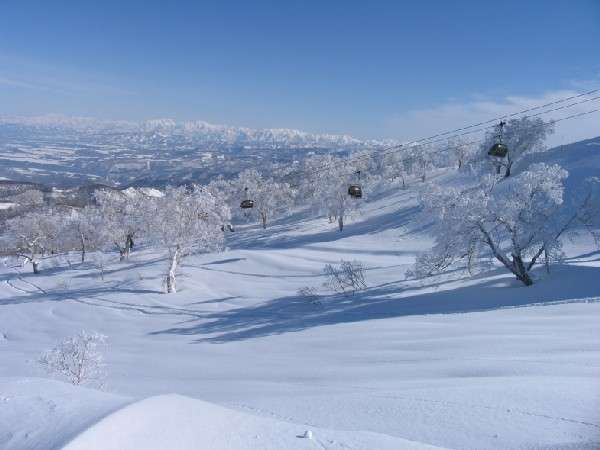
326, 180
395, 165
29, 199
516, 221
224, 191
588, 206
421, 160
522, 136
271, 198
88, 230
187, 219
77, 359
35, 234
221, 188
463, 152
125, 215
365, 160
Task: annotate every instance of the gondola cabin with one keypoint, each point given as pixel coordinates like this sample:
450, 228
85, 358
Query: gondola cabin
499, 150
247, 204
354, 190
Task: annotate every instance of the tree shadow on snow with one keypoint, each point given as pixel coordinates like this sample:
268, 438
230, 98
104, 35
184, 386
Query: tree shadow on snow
77, 294
279, 237
294, 313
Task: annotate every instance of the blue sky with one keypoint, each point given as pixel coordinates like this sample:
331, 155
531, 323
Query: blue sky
370, 69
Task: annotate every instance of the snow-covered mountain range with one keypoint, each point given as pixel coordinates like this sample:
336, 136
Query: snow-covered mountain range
197, 131
71, 151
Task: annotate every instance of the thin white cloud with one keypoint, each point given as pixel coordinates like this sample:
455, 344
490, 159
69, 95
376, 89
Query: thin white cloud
19, 73
19, 84
448, 116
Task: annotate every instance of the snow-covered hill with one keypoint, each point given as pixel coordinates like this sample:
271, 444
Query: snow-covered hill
451, 361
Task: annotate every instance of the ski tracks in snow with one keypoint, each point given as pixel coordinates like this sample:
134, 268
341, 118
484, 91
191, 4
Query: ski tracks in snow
36, 288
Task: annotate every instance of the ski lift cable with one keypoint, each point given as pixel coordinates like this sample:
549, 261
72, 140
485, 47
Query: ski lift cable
417, 143
458, 132
506, 116
573, 116
392, 150
587, 100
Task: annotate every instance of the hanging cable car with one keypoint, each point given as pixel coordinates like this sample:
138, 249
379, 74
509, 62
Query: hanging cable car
246, 203
354, 190
499, 149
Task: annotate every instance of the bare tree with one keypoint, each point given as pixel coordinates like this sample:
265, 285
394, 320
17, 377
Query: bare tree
347, 277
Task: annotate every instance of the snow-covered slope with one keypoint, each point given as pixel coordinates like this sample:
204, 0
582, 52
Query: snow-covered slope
581, 159
450, 361
38, 414
176, 422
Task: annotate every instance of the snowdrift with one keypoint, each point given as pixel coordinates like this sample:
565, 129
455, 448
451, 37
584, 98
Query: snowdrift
177, 422
38, 414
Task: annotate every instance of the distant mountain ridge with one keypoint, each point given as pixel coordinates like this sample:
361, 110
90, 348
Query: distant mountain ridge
196, 130
71, 151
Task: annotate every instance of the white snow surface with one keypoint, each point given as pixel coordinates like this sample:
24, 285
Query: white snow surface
451, 361
173, 421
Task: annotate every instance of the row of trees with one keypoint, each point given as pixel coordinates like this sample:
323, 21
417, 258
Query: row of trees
320, 182
179, 220
184, 219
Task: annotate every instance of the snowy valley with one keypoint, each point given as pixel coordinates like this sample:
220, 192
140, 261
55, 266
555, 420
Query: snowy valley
67, 151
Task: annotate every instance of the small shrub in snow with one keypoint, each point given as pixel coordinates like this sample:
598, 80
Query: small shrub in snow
428, 264
347, 277
77, 359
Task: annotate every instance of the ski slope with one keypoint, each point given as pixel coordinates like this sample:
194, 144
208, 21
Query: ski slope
451, 361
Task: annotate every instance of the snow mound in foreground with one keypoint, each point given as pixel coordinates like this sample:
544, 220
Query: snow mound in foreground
37, 413
177, 422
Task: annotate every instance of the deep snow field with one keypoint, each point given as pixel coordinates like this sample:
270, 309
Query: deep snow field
236, 360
